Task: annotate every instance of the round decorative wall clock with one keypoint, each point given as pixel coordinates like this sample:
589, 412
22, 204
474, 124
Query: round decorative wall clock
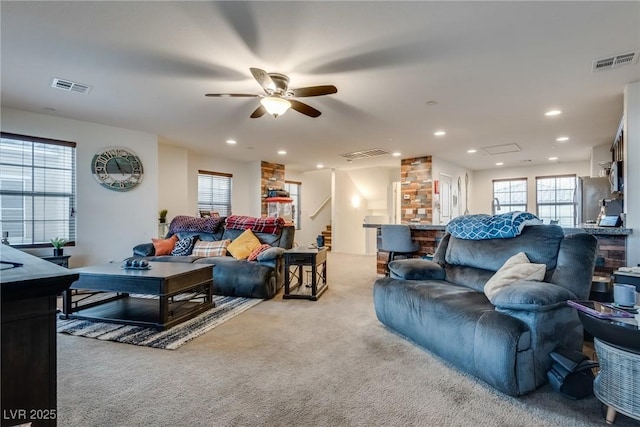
117, 168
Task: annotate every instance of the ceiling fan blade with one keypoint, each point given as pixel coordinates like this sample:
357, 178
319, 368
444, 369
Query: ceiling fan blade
259, 112
264, 79
304, 108
232, 95
314, 91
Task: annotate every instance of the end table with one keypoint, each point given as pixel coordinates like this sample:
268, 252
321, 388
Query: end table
298, 258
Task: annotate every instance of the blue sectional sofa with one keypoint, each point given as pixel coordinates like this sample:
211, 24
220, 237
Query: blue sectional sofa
504, 340
261, 278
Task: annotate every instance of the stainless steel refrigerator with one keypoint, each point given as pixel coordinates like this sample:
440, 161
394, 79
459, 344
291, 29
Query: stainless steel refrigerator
589, 195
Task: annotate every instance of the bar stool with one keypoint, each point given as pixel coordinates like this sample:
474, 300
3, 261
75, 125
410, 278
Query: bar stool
396, 240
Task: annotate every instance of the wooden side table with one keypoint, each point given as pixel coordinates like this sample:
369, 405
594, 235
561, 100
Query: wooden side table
295, 261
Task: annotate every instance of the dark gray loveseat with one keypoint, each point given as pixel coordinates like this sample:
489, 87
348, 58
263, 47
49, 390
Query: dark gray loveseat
505, 342
262, 278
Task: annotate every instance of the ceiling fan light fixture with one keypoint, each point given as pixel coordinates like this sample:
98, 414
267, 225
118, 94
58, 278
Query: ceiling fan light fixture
275, 105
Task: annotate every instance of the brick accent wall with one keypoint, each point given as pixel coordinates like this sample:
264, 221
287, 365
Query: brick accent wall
272, 176
416, 190
610, 254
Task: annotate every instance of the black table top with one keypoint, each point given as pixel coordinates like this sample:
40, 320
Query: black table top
624, 333
35, 277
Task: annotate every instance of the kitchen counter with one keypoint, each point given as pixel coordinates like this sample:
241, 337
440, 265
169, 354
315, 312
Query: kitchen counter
611, 231
413, 226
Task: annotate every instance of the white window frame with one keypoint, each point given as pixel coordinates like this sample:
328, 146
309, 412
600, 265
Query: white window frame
507, 196
216, 196
295, 189
45, 172
562, 198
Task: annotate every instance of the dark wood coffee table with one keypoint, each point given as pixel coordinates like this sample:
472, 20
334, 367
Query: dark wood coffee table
160, 285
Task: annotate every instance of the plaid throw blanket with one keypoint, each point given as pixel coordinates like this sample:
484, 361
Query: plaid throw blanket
184, 223
260, 225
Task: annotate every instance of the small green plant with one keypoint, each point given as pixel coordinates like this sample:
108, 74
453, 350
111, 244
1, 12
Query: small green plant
163, 215
58, 242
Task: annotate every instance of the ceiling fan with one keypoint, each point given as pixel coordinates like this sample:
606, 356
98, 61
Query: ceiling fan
279, 98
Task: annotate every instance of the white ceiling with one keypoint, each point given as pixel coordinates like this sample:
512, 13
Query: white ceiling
493, 69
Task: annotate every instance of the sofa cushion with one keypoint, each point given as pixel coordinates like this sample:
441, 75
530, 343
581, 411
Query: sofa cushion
416, 269
209, 249
270, 254
243, 245
164, 246
518, 267
184, 246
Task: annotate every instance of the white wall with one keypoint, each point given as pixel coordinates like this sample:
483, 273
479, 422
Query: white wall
481, 192
315, 188
456, 172
631, 169
348, 233
173, 163
600, 154
109, 223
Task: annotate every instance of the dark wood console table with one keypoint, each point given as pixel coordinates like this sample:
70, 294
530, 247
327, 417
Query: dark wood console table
29, 366
298, 259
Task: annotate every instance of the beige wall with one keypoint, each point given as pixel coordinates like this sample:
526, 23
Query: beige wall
316, 187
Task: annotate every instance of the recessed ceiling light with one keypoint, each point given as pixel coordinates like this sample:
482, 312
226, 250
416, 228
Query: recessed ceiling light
553, 113
553, 158
319, 165
282, 152
471, 151
499, 164
396, 154
49, 109
439, 133
431, 103
562, 139
231, 141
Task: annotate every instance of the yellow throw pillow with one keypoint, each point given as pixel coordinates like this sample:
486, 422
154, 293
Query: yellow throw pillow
242, 246
518, 267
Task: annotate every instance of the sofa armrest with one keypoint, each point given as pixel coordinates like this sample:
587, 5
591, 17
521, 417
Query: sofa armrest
531, 296
270, 254
144, 249
416, 269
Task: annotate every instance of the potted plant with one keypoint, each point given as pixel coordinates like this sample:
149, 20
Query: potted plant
163, 216
58, 243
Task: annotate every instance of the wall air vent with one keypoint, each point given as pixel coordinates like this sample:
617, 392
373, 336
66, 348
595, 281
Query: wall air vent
501, 149
615, 61
364, 154
70, 86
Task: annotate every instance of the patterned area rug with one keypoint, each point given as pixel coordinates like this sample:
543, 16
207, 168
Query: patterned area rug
171, 339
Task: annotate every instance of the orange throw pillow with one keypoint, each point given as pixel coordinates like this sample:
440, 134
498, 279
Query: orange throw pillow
164, 246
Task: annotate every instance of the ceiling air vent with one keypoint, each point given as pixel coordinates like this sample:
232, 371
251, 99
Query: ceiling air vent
364, 154
614, 61
501, 149
70, 86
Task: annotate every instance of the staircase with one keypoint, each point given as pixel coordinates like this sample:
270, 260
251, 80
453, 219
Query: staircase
327, 237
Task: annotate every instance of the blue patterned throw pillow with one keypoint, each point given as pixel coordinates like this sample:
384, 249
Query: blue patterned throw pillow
185, 246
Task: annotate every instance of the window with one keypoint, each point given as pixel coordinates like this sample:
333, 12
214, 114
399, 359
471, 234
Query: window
214, 192
294, 187
37, 190
555, 199
511, 195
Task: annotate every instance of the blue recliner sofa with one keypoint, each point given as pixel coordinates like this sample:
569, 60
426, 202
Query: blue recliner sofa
505, 340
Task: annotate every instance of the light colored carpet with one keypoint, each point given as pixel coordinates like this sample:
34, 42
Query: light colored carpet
295, 363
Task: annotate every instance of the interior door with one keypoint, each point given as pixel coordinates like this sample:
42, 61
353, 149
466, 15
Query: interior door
445, 198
